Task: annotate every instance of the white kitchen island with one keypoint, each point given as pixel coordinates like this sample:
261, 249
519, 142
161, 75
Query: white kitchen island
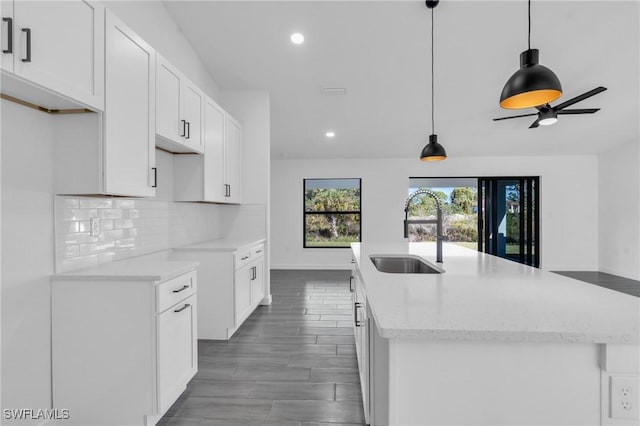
490, 342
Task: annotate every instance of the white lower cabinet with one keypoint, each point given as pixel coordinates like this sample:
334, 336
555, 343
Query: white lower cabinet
361, 329
231, 285
248, 289
123, 350
177, 356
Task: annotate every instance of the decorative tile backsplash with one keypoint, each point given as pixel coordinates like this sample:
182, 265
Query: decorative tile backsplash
127, 227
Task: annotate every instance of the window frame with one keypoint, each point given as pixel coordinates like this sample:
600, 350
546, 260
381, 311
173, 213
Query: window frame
305, 213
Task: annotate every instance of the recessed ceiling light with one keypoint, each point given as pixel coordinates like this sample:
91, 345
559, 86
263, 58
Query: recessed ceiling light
333, 91
297, 38
330, 134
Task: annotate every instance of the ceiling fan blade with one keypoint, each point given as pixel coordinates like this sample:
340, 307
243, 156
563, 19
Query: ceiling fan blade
579, 98
579, 111
534, 124
515, 116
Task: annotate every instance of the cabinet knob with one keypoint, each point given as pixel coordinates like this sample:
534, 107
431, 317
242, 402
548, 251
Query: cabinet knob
186, 305
27, 31
356, 305
9, 48
184, 287
155, 177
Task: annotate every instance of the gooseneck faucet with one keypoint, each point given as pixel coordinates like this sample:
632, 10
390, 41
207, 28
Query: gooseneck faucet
437, 221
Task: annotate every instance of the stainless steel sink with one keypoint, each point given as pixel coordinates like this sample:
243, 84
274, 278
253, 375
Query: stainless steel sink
402, 264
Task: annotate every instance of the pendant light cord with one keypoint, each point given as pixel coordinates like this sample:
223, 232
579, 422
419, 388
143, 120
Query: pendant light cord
433, 126
529, 34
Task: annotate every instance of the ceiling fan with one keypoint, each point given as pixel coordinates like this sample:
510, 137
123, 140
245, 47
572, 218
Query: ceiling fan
548, 115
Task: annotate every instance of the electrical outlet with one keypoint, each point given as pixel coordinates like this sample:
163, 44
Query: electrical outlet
95, 226
624, 397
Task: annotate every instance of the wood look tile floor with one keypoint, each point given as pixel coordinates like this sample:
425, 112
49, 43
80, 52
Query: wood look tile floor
290, 364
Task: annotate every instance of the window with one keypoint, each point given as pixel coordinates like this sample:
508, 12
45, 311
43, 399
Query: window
459, 203
331, 213
496, 215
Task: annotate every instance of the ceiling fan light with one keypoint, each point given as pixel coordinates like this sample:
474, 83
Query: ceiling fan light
547, 121
532, 85
433, 151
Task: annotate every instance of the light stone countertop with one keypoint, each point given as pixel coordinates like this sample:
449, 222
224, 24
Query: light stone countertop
222, 244
484, 297
155, 266
144, 268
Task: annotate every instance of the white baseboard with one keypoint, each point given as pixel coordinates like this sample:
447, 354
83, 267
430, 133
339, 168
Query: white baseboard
324, 266
267, 300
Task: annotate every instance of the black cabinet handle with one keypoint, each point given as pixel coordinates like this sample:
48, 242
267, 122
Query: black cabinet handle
28, 32
186, 305
184, 287
9, 48
155, 177
351, 284
188, 130
227, 190
184, 128
356, 305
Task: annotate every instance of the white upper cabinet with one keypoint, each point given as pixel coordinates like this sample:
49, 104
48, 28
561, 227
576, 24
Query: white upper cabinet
113, 153
178, 110
233, 160
129, 149
215, 176
53, 53
214, 162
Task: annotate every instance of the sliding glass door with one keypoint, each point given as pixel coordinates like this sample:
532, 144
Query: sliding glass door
508, 220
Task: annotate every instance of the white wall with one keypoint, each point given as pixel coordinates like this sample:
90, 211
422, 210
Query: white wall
27, 228
619, 187
568, 203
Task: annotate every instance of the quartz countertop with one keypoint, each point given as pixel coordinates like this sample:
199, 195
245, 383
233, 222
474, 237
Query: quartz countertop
484, 297
144, 268
222, 244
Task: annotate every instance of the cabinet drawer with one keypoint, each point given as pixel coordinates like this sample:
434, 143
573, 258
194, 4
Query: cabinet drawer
245, 256
171, 292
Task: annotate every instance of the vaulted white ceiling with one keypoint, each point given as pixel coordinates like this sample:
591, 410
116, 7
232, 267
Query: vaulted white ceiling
380, 52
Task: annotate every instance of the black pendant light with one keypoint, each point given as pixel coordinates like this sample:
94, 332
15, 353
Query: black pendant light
433, 151
533, 84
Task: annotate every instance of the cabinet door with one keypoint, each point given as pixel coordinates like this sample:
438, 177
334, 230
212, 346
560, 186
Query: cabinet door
59, 45
214, 178
167, 100
6, 35
233, 155
257, 281
242, 294
129, 120
177, 350
192, 99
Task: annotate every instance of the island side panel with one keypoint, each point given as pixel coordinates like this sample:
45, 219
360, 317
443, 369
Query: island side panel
493, 383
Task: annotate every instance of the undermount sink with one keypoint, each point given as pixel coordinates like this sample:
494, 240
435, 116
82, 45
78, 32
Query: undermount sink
402, 264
